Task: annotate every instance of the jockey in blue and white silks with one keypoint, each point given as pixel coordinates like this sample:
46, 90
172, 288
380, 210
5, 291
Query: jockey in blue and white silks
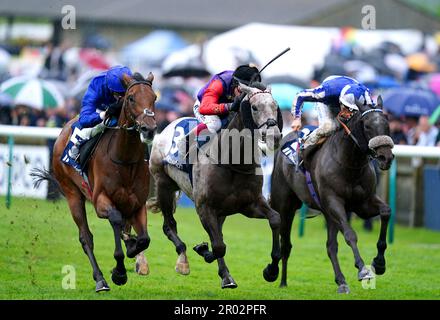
334, 94
101, 102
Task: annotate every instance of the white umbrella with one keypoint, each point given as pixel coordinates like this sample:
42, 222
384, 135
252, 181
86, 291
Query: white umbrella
33, 92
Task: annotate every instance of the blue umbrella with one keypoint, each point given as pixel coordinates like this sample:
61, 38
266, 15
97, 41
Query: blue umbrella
284, 93
154, 47
412, 102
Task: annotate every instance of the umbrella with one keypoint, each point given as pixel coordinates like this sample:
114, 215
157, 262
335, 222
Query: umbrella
434, 83
412, 102
153, 48
284, 93
33, 92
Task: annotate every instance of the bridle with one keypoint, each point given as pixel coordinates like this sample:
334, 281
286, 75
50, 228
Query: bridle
137, 125
271, 122
348, 131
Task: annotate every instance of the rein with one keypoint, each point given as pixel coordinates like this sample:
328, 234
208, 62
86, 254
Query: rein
348, 131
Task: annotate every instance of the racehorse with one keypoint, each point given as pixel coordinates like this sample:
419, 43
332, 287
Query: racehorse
342, 179
220, 189
118, 177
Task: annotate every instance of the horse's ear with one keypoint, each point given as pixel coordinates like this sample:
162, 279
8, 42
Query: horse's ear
280, 121
380, 102
126, 79
245, 88
150, 77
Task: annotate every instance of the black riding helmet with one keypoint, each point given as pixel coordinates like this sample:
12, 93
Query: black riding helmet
246, 74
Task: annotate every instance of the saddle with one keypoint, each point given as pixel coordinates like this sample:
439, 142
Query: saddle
86, 151
307, 154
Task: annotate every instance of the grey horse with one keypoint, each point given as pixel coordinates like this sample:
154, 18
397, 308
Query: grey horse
223, 188
343, 180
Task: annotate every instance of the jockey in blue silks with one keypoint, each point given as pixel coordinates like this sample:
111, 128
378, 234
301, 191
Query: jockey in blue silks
101, 105
335, 94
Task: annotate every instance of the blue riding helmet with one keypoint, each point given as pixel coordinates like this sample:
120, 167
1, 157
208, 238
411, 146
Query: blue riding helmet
113, 78
354, 94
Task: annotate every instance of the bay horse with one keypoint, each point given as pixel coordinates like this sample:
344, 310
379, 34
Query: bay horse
343, 180
118, 177
220, 189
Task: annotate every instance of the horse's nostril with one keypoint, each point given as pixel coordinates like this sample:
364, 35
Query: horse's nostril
144, 129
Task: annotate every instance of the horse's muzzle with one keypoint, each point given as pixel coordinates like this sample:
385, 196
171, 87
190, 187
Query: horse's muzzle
384, 157
147, 133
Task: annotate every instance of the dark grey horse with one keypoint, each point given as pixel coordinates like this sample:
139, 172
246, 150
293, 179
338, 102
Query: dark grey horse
344, 180
222, 189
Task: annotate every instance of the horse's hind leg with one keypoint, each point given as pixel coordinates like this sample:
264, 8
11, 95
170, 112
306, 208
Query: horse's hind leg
77, 208
262, 210
166, 196
285, 202
332, 251
371, 209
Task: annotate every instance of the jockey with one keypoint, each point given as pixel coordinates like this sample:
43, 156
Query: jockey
217, 98
336, 94
101, 105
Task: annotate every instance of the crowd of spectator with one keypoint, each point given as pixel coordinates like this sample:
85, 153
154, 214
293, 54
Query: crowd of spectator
176, 95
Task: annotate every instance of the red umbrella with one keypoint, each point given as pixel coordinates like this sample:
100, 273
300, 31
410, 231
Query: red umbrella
94, 59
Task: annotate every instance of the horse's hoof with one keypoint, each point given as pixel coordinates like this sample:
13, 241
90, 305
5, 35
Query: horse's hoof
119, 278
182, 268
343, 288
102, 285
379, 266
365, 274
270, 273
228, 283
283, 285
142, 269
201, 248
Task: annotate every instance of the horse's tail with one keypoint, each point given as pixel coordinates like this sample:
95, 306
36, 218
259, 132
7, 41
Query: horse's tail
154, 206
39, 175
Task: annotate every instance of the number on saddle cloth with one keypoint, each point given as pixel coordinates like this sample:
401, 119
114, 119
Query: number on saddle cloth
84, 140
292, 147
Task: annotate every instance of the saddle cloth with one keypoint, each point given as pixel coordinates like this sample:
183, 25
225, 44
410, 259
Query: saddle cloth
292, 147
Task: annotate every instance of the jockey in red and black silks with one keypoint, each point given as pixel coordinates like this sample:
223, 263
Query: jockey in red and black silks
218, 97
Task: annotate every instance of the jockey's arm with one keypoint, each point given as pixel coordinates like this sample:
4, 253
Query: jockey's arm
209, 105
308, 95
88, 116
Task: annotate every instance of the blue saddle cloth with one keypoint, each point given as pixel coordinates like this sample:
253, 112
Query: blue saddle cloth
291, 147
183, 128
65, 157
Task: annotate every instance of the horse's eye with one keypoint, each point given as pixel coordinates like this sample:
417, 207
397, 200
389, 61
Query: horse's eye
131, 99
254, 108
